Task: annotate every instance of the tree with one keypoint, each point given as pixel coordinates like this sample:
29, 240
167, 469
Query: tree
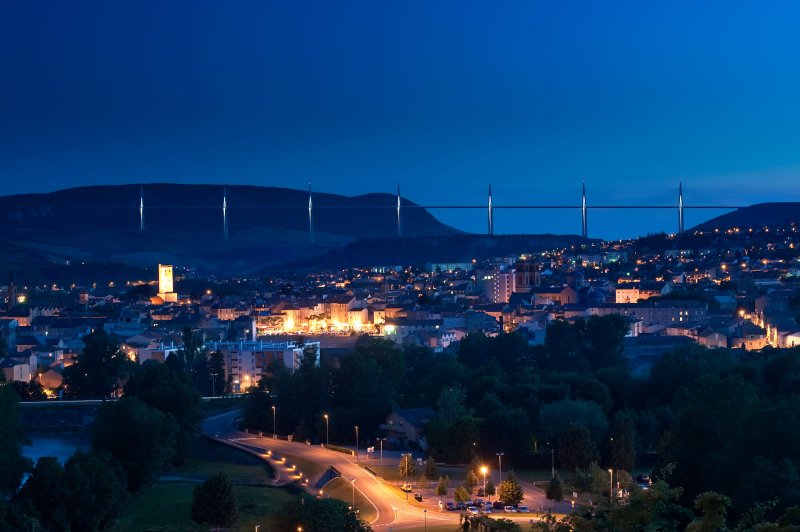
714, 509
490, 488
441, 488
47, 492
317, 515
555, 489
407, 466
576, 449
216, 373
555, 418
471, 480
29, 391
461, 495
431, 471
194, 358
97, 490
12, 463
214, 503
623, 442
143, 439
159, 386
510, 492
98, 369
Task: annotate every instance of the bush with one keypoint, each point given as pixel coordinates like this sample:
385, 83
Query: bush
214, 504
555, 489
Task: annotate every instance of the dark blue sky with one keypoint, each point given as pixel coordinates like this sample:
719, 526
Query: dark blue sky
442, 97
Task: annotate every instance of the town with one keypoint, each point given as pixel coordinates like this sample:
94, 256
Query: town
732, 288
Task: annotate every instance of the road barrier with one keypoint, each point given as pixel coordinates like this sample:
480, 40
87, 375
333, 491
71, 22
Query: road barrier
338, 449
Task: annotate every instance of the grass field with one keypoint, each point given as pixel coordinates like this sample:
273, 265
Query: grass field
166, 506
208, 458
212, 406
341, 489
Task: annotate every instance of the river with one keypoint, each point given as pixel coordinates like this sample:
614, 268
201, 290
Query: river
61, 447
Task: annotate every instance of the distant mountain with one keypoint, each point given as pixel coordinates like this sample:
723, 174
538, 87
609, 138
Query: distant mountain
450, 248
184, 224
758, 215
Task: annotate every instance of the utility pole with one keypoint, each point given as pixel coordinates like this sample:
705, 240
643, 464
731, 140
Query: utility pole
680, 207
500, 467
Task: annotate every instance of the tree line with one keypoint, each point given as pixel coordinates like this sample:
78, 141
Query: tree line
701, 421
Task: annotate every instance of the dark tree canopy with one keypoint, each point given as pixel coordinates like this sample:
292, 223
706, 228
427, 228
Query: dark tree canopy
143, 439
214, 503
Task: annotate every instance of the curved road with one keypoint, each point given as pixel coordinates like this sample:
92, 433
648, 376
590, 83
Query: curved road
393, 511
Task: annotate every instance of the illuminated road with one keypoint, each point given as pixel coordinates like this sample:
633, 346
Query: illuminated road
393, 511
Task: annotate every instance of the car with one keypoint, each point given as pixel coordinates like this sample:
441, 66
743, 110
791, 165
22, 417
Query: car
509, 509
450, 506
523, 509
479, 501
418, 497
406, 488
497, 505
461, 506
487, 510
472, 510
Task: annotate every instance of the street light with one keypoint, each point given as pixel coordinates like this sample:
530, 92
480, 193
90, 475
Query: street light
353, 482
274, 432
356, 443
610, 484
381, 440
426, 519
484, 470
500, 466
327, 432
407, 459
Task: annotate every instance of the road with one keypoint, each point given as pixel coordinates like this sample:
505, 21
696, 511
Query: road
393, 511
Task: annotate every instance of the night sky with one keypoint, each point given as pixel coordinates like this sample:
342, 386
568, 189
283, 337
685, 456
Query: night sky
442, 97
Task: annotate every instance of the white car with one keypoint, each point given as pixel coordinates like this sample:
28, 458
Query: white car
472, 510
509, 509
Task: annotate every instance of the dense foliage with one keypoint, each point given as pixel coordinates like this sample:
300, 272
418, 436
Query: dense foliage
214, 503
702, 420
317, 515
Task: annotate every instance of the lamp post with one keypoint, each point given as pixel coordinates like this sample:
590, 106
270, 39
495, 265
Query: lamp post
381, 440
353, 483
327, 432
426, 518
484, 470
356, 443
500, 467
407, 458
553, 462
274, 432
213, 385
610, 484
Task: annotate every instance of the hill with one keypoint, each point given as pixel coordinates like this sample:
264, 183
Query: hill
759, 215
449, 248
183, 224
